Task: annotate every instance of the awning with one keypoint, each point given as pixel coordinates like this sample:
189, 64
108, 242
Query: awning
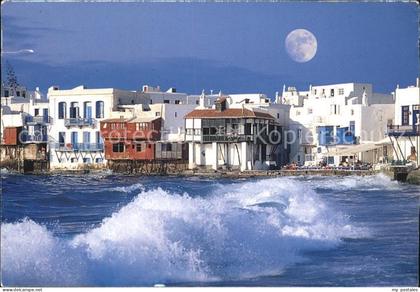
354, 149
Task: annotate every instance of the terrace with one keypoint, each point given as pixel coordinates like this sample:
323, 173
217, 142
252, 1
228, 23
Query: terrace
79, 122
403, 131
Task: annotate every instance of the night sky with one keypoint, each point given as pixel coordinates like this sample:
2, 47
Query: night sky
233, 47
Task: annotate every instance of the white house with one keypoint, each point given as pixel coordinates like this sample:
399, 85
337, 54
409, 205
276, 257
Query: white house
28, 110
231, 135
75, 139
405, 131
339, 123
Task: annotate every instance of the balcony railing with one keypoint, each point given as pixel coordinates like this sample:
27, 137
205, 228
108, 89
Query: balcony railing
79, 122
38, 120
398, 130
86, 147
35, 139
227, 138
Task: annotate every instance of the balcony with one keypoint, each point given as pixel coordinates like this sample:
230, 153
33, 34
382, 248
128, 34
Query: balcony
227, 138
80, 122
403, 131
38, 120
82, 147
34, 139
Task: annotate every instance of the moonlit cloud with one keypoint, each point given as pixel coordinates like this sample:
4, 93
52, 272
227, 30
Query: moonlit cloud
18, 52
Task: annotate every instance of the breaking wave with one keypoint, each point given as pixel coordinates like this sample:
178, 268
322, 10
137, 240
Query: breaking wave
241, 230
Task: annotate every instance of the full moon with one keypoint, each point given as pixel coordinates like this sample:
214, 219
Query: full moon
301, 45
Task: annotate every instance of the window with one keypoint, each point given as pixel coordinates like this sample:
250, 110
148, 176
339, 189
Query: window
99, 160
158, 114
197, 131
278, 115
86, 137
99, 109
62, 110
340, 91
98, 137
86, 160
332, 92
167, 147
74, 110
335, 109
23, 94
17, 93
176, 114
166, 101
118, 147
310, 111
352, 112
197, 102
36, 112
73, 160
6, 93
177, 101
139, 147
87, 110
405, 112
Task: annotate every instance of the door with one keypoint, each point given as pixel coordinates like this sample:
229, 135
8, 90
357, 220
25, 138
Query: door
88, 110
45, 115
86, 140
74, 141
61, 138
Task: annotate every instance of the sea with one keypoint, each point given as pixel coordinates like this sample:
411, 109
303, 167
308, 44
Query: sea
106, 229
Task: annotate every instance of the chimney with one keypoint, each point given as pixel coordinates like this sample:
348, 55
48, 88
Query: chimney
202, 96
364, 98
417, 82
278, 98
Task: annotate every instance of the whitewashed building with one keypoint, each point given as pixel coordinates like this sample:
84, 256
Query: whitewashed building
405, 130
339, 124
75, 139
233, 134
28, 110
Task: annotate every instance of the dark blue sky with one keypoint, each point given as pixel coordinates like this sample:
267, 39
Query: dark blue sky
229, 46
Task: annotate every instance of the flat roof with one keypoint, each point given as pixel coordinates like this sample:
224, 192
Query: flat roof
227, 113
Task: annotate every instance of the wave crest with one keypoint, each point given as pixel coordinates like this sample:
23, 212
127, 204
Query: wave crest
245, 229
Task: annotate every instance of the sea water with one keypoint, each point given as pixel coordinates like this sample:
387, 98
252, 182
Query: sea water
114, 230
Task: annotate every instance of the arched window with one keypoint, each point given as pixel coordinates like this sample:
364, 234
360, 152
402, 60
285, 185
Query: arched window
99, 109
62, 110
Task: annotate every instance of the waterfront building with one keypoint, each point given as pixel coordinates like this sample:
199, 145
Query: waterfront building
404, 132
231, 135
24, 127
29, 111
75, 139
339, 124
130, 138
150, 131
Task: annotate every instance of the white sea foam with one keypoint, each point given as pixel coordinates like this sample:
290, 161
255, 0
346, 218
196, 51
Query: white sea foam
371, 182
240, 230
129, 189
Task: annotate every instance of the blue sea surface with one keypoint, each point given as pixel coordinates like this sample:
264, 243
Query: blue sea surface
114, 230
